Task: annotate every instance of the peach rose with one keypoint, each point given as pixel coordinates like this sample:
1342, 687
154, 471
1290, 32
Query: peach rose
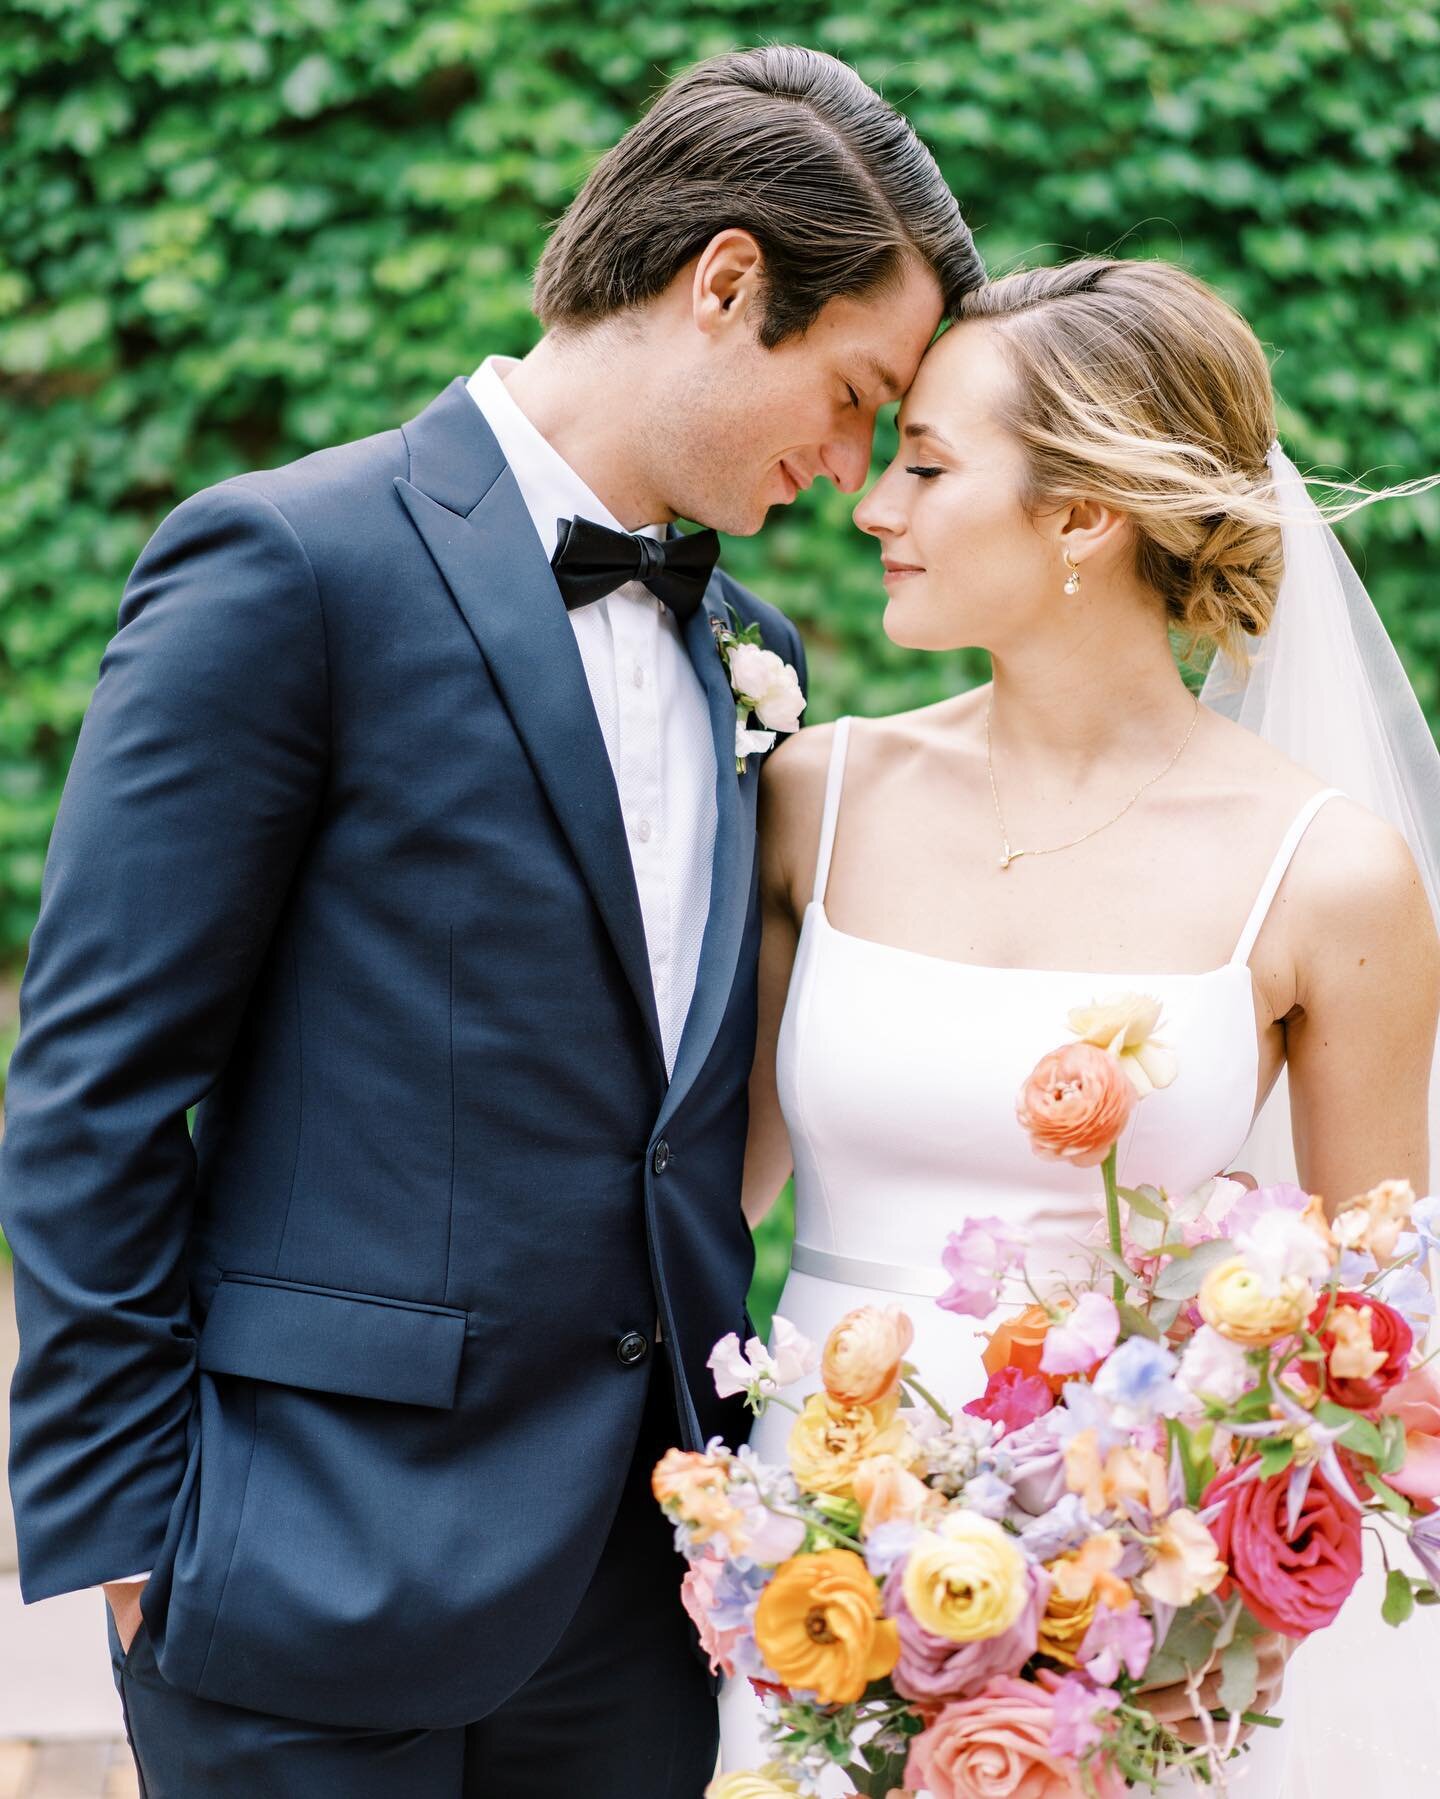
1373, 1221
887, 1490
1415, 1401
1075, 1105
863, 1353
995, 1744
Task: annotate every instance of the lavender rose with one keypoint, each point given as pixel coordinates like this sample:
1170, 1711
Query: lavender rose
933, 1667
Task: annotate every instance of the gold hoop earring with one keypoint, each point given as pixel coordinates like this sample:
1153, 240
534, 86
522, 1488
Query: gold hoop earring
1073, 584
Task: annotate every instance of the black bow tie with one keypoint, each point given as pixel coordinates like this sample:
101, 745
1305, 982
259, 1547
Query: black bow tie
591, 560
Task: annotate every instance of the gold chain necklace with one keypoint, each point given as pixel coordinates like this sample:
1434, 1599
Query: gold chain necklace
1008, 855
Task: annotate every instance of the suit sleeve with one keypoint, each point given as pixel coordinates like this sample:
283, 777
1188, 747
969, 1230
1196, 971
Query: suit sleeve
798, 661
190, 798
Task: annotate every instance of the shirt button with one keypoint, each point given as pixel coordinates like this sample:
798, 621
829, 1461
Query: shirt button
638, 677
632, 1348
642, 830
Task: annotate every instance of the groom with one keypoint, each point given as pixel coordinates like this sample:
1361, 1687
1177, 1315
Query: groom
404, 839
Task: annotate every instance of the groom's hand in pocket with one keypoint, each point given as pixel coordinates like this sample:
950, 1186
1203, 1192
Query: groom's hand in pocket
123, 1598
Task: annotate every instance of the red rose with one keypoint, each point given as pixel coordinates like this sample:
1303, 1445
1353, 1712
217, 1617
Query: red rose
1294, 1584
1391, 1337
1012, 1398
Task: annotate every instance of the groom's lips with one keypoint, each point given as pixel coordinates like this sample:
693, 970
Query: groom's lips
792, 480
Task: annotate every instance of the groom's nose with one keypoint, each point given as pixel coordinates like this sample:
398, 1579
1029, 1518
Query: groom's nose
846, 460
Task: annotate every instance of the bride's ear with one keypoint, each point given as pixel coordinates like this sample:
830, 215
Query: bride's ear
1086, 529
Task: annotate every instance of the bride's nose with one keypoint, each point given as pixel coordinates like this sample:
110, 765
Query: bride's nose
875, 514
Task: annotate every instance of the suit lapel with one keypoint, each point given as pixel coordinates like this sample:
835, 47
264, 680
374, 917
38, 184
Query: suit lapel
466, 505
733, 860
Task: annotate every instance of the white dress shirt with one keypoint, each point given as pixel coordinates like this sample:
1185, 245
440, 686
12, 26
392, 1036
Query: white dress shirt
652, 710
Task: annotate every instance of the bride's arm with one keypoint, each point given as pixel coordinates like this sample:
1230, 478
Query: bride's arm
1360, 1046
791, 794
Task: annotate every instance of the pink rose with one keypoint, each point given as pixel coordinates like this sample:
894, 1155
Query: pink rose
1292, 1582
1012, 1399
933, 1667
1075, 1105
771, 686
1415, 1401
996, 1745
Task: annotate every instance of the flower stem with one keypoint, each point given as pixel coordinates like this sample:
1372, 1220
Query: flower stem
1112, 1217
929, 1398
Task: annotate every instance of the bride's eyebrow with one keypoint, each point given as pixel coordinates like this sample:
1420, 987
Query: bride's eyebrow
918, 430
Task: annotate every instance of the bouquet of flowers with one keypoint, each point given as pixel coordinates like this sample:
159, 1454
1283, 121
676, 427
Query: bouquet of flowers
1175, 1454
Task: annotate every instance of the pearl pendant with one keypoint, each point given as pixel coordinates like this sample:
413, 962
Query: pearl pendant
1073, 584
1005, 860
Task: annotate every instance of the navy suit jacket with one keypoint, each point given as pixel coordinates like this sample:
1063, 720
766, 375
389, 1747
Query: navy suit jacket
340, 861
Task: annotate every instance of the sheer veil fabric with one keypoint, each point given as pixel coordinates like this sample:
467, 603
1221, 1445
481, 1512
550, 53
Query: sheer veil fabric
1327, 688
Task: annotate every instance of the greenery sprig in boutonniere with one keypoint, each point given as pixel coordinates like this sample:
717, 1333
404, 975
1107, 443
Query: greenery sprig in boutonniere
762, 685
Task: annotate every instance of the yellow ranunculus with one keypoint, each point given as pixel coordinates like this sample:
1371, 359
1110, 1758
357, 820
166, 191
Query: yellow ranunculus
828, 1442
1123, 1026
769, 1782
820, 1625
1234, 1302
966, 1579
1063, 1626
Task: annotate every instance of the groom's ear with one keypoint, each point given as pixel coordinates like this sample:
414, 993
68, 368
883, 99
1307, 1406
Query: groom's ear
726, 286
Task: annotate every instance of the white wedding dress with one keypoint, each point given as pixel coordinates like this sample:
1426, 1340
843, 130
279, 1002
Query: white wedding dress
898, 1074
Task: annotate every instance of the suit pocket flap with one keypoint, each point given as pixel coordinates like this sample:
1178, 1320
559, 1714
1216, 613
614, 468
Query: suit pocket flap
335, 1342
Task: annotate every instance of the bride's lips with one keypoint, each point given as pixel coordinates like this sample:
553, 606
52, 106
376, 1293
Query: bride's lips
900, 571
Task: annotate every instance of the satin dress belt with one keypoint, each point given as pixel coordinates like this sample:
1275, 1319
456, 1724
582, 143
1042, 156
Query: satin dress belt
855, 1271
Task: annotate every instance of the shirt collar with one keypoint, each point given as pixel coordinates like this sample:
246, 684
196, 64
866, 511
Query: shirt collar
550, 488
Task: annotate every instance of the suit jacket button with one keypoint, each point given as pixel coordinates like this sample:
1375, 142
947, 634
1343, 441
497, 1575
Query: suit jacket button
662, 1156
632, 1348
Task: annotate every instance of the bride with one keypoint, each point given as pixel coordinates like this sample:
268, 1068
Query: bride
1088, 464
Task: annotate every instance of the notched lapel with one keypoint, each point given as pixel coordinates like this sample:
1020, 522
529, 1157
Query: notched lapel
493, 564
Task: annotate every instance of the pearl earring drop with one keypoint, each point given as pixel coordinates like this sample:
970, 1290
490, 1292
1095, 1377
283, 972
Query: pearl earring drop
1073, 584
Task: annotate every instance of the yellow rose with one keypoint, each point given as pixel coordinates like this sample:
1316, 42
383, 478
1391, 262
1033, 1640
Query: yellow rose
1234, 1302
769, 1782
966, 1579
820, 1626
862, 1357
828, 1442
1122, 1026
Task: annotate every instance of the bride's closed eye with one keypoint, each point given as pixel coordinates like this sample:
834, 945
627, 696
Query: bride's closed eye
925, 473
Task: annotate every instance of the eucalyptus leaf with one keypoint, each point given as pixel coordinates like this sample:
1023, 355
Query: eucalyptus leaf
1147, 1201
1183, 1278
1399, 1601
1239, 1674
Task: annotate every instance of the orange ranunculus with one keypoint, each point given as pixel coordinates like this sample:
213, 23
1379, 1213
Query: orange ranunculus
1018, 1343
820, 1626
863, 1353
1075, 1105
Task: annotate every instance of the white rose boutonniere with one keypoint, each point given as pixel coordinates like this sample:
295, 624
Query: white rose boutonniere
762, 685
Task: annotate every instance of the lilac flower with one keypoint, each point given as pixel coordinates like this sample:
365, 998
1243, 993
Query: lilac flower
1084, 1409
1409, 1292
1247, 1212
977, 1258
1065, 1526
1032, 1461
1280, 1248
1425, 1218
754, 1370
1137, 1383
988, 1494
1082, 1336
1119, 1637
889, 1545
1076, 1706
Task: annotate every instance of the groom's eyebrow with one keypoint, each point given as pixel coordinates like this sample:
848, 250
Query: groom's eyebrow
888, 380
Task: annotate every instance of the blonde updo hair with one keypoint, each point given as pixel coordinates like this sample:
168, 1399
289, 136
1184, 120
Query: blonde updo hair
1137, 385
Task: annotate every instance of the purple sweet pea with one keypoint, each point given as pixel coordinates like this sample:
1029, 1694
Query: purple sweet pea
1065, 1526
1425, 1544
932, 1667
977, 1258
1118, 1638
1082, 1336
1076, 1706
1137, 1383
1248, 1211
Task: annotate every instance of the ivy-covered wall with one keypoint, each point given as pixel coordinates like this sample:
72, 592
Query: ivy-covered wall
239, 229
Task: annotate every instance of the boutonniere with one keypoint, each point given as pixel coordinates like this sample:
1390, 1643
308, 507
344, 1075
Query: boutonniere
762, 685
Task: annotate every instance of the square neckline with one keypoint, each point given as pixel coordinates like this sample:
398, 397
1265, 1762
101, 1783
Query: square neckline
1240, 956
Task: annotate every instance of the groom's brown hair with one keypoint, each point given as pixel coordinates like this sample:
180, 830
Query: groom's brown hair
786, 143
